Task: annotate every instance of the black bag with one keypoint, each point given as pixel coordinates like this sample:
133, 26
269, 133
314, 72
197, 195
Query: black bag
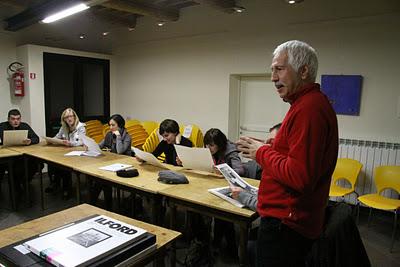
128, 173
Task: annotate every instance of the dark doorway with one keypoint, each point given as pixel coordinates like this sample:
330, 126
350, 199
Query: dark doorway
78, 82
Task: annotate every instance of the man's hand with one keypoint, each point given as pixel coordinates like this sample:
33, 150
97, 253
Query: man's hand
27, 142
248, 146
235, 191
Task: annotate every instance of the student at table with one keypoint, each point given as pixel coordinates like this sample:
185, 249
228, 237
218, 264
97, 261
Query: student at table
118, 141
223, 151
14, 122
70, 131
169, 130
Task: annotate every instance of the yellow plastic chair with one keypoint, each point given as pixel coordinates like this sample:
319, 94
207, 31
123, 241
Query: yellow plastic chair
131, 122
346, 169
386, 177
196, 135
92, 123
138, 135
152, 142
149, 126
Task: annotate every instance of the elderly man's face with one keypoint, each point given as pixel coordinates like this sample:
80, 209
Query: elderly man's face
286, 80
14, 120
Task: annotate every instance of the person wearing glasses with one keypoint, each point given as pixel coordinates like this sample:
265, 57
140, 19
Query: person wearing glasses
70, 132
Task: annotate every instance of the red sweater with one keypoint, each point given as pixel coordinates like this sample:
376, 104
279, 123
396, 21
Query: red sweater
297, 168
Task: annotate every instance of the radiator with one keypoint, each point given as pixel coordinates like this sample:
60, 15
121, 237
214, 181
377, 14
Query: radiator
371, 154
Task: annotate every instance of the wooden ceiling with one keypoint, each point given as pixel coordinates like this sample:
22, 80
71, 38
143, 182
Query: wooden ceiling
24, 13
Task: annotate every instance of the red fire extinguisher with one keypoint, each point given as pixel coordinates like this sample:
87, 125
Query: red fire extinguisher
16, 70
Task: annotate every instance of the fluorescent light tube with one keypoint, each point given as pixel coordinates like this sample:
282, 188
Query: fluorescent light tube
65, 13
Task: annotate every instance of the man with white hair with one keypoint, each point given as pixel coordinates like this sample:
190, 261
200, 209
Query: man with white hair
298, 166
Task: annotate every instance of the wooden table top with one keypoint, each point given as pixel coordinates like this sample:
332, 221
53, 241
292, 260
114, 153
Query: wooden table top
197, 192
56, 154
5, 152
46, 223
146, 181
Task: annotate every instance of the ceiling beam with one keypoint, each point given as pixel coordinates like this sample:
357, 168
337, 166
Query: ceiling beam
14, 3
128, 21
166, 15
222, 5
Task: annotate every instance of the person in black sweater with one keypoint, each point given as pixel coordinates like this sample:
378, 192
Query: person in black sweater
14, 123
169, 130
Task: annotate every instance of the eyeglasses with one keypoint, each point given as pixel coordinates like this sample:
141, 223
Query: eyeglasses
69, 116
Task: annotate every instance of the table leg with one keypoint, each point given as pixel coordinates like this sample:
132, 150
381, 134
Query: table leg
11, 183
243, 238
78, 188
41, 188
26, 174
172, 222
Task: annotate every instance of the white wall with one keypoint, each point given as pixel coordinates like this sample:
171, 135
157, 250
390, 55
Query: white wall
7, 56
188, 78
33, 105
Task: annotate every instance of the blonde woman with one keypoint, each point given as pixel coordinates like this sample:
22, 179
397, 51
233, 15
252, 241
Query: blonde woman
71, 128
70, 132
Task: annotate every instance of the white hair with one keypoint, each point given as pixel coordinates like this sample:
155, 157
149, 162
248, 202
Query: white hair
299, 54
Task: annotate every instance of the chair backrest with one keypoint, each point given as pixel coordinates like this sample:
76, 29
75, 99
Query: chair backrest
138, 135
151, 142
196, 136
149, 126
347, 169
387, 177
131, 122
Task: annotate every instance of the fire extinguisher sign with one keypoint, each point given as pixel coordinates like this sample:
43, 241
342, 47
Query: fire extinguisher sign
32, 75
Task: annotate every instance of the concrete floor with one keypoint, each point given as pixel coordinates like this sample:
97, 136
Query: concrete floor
376, 238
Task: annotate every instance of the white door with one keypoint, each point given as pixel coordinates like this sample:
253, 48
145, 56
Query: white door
260, 107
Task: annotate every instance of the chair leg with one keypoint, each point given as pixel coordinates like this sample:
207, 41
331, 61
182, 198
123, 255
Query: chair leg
369, 216
358, 213
394, 231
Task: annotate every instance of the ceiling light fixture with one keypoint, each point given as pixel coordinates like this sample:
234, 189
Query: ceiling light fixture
105, 33
161, 23
131, 29
82, 36
291, 2
65, 13
239, 9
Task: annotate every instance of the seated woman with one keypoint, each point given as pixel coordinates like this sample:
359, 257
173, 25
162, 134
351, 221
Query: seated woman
223, 150
118, 141
70, 131
169, 130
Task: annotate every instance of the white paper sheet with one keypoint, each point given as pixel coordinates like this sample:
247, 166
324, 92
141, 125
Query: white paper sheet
14, 137
74, 153
115, 167
234, 179
195, 158
148, 157
93, 148
54, 141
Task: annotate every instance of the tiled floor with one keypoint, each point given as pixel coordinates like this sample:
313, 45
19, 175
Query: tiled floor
376, 238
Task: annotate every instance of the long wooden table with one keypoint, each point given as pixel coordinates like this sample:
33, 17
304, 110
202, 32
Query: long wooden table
195, 197
56, 155
14, 234
7, 156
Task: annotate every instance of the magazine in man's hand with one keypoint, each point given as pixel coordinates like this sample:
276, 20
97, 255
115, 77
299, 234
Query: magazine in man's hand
234, 179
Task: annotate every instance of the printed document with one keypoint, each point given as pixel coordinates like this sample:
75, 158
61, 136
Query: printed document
195, 158
14, 137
